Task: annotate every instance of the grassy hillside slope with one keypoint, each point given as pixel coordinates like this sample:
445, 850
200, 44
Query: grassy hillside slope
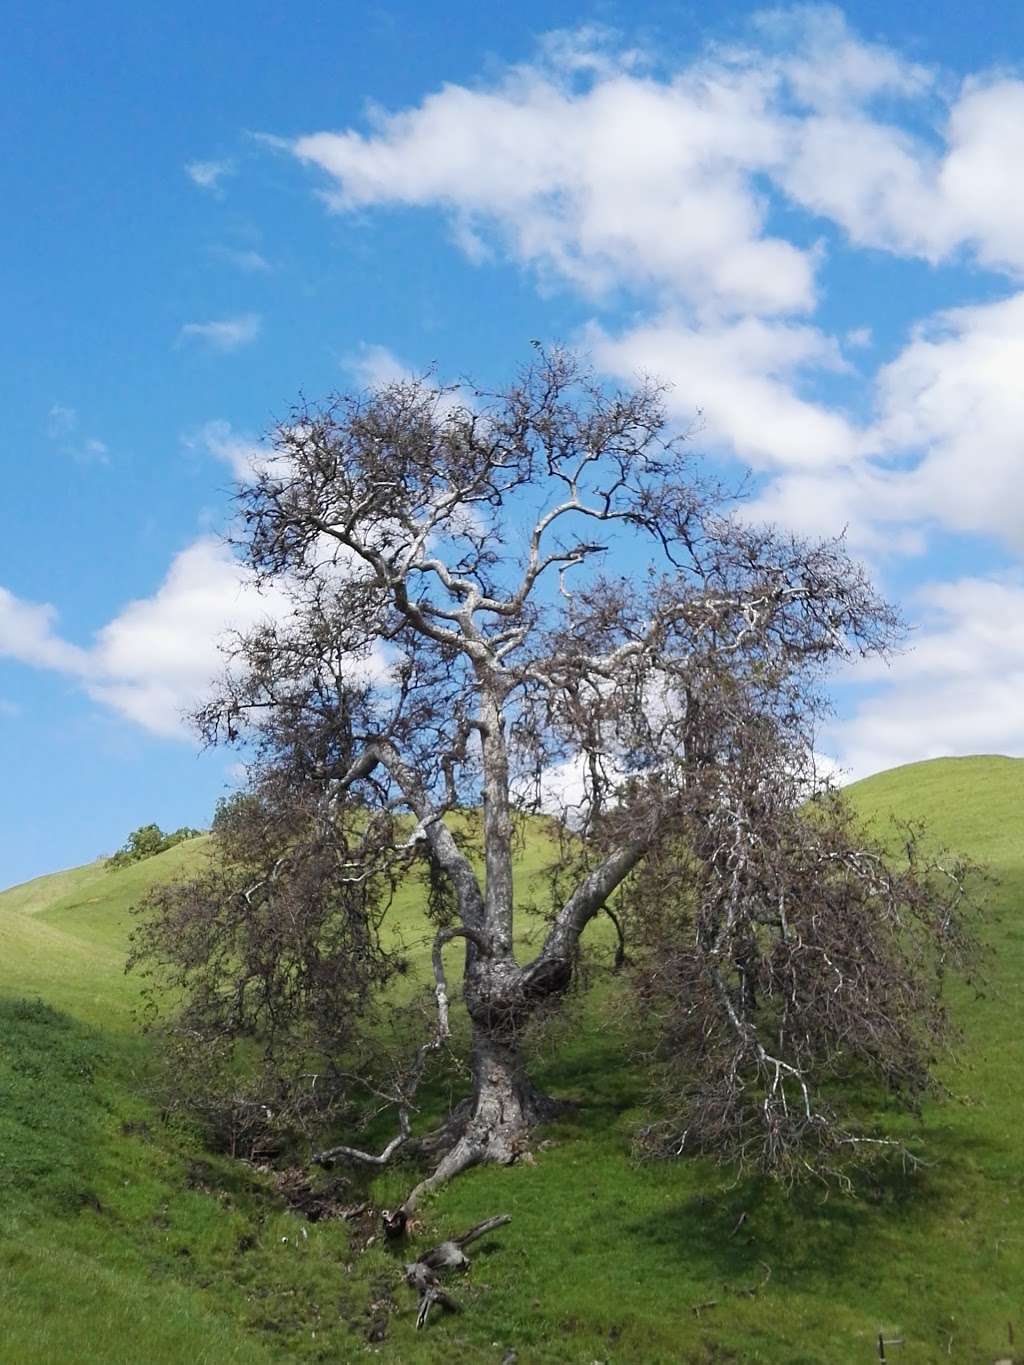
122, 1240
63, 936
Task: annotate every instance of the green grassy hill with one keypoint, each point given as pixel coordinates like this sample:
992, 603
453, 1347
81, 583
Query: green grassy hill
121, 1240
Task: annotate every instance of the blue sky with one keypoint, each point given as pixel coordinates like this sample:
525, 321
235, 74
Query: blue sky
808, 220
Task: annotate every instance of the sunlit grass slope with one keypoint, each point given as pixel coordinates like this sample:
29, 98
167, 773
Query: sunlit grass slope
64, 937
121, 1240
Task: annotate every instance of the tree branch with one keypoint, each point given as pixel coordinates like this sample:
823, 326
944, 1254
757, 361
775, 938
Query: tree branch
411, 1083
588, 898
449, 856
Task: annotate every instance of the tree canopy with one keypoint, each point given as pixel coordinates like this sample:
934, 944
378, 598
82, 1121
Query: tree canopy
539, 600
148, 840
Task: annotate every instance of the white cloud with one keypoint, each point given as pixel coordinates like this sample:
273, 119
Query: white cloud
28, 633
227, 334
604, 171
208, 174
874, 181
157, 657
93, 452
623, 180
958, 690
891, 188
242, 454
743, 377
857, 338
954, 401
374, 366
562, 787
61, 428
611, 172
61, 422
826, 66
946, 448
868, 504
979, 179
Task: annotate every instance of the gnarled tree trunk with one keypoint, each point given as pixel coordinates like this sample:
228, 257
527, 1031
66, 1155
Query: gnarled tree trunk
495, 1124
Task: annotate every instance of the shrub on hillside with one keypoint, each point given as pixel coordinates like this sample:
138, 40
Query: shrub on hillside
147, 840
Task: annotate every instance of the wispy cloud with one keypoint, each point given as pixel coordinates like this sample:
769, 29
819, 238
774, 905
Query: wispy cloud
208, 174
62, 428
242, 259
61, 422
225, 334
373, 366
242, 454
93, 452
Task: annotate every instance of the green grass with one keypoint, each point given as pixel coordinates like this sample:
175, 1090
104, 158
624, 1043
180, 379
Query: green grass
122, 1240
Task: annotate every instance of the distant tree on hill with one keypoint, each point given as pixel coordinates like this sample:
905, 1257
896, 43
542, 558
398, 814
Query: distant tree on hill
497, 598
147, 840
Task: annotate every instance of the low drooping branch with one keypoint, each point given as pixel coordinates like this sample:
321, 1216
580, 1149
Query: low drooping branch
809, 957
381, 1158
620, 934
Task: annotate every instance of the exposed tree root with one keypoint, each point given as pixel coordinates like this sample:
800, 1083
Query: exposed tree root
493, 1126
505, 1109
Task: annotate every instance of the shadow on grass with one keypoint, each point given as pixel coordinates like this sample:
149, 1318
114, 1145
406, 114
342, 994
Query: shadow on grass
809, 1234
596, 1072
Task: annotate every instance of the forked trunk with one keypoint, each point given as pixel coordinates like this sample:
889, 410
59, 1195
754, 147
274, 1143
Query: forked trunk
499, 995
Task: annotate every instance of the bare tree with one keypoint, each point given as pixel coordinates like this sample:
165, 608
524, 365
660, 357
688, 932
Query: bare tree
490, 592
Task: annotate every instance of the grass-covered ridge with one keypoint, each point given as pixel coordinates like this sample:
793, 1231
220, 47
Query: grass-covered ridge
121, 1240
